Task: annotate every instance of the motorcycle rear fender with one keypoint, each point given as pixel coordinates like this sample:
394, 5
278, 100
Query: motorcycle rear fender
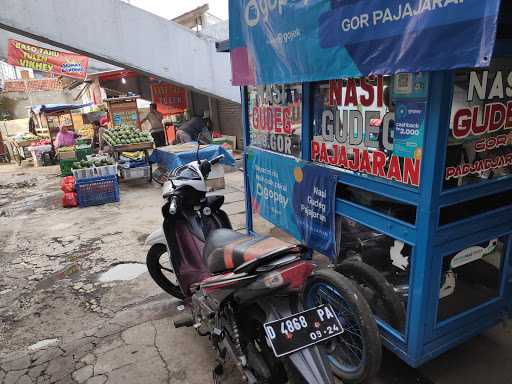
157, 237
310, 362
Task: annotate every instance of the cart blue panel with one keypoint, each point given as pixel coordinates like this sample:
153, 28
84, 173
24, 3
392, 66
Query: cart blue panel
426, 337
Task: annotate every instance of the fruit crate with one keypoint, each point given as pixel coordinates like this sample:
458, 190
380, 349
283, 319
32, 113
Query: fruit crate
135, 173
83, 151
67, 155
87, 173
106, 170
65, 167
83, 173
97, 191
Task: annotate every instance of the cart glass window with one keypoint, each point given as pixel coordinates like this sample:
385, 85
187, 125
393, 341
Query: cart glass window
389, 258
480, 133
275, 117
470, 277
371, 126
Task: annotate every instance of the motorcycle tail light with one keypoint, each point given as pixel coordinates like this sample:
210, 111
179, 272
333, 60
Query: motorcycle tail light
292, 275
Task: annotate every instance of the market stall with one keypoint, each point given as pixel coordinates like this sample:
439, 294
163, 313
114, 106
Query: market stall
173, 156
387, 144
20, 145
130, 146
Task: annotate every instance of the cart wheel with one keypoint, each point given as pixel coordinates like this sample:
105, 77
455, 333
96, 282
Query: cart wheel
381, 296
356, 354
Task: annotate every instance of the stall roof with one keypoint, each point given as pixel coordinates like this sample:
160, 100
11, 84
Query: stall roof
57, 107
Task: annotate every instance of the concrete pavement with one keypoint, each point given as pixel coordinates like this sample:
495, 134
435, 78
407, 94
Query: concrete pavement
61, 324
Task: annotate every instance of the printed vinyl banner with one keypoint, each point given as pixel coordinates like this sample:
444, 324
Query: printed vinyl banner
47, 60
285, 41
295, 196
169, 98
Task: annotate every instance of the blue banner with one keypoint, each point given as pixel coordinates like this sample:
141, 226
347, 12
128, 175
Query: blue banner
286, 41
295, 196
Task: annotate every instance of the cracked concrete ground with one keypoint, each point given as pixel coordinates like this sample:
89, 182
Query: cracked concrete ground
60, 324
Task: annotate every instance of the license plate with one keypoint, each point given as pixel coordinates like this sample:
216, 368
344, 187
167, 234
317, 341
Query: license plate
301, 330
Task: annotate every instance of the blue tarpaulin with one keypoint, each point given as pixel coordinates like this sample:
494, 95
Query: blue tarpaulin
58, 107
171, 160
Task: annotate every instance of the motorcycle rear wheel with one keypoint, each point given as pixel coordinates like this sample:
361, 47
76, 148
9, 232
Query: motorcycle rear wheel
155, 268
355, 355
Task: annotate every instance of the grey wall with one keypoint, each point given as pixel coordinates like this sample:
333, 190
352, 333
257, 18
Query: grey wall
39, 97
123, 35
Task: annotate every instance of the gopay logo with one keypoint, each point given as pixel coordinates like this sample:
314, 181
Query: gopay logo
258, 10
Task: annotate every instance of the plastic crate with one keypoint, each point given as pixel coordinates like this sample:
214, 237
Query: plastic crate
135, 173
65, 167
97, 191
83, 152
67, 155
83, 141
106, 170
84, 173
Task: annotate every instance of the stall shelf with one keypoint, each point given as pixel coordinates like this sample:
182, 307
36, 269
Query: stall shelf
144, 147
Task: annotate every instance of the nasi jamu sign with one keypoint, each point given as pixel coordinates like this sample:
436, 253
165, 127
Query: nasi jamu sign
47, 60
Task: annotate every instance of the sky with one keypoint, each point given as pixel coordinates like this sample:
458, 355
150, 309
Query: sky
171, 8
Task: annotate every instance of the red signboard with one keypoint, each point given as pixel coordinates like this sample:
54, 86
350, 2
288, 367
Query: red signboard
169, 98
47, 60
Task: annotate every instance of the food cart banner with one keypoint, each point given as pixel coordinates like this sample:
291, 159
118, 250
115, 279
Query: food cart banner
296, 196
169, 98
285, 41
47, 60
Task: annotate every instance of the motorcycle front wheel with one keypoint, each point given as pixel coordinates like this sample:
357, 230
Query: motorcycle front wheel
355, 355
160, 268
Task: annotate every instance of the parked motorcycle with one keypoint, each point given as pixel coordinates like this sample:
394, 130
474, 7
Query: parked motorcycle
241, 291
257, 298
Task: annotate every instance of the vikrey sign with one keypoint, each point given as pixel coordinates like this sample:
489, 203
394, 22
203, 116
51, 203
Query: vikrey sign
47, 60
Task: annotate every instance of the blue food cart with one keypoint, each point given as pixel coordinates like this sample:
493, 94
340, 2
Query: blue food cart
382, 131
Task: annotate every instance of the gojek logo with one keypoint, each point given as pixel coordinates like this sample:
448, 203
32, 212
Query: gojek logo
260, 10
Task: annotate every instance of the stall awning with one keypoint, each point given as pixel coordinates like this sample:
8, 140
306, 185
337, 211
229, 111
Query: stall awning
307, 40
57, 107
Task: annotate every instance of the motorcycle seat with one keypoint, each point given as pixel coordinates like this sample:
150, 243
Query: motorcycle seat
226, 249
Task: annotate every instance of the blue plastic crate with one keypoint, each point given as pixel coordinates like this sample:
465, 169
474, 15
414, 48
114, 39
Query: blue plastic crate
97, 190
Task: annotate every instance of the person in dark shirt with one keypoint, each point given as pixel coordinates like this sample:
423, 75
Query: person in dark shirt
194, 130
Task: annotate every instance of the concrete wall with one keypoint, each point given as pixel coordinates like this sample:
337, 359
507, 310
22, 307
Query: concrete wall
23, 100
12, 127
123, 35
